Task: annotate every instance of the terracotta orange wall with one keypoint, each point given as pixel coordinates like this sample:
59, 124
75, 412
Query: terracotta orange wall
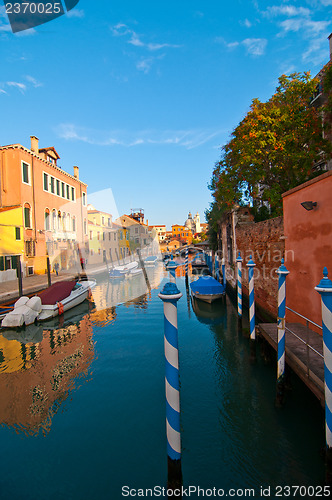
308, 245
14, 191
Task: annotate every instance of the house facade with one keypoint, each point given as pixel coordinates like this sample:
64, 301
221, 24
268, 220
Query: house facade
51, 202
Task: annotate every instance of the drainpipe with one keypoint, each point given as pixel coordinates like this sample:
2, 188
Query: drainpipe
33, 197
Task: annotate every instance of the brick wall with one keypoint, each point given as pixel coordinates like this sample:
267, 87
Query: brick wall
265, 242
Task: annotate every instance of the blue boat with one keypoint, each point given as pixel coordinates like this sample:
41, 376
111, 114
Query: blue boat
207, 288
151, 260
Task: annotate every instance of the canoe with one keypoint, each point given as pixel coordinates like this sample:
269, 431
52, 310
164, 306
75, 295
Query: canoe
207, 289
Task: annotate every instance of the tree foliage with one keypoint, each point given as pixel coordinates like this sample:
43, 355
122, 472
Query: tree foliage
273, 148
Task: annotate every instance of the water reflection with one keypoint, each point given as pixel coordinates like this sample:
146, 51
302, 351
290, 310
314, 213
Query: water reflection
38, 373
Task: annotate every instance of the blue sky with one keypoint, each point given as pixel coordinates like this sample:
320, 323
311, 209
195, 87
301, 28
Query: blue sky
141, 95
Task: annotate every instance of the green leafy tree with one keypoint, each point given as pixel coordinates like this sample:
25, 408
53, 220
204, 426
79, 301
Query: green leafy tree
273, 148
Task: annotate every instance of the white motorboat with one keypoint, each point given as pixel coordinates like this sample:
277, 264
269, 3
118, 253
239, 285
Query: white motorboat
151, 260
135, 272
53, 301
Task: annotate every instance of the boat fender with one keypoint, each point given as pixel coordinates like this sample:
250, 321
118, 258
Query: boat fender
60, 307
89, 293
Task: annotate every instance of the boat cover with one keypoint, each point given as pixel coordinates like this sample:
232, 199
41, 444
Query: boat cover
56, 292
206, 285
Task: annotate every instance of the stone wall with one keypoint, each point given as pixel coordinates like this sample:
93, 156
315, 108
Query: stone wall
265, 242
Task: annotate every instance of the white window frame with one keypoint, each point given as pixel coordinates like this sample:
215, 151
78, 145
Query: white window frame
29, 172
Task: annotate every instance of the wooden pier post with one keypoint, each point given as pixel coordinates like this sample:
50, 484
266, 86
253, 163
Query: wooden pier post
144, 270
325, 290
170, 295
19, 276
48, 271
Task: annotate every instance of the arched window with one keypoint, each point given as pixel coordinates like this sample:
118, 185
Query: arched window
74, 224
59, 220
54, 221
64, 221
47, 219
27, 215
68, 223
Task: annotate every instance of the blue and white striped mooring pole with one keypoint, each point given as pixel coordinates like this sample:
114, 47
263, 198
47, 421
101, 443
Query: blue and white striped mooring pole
325, 290
239, 288
282, 271
223, 273
170, 295
251, 266
186, 264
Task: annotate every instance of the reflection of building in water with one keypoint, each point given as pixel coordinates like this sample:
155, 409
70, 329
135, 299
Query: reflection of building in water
103, 317
36, 379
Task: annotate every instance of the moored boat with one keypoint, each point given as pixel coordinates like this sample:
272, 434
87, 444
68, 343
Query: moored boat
53, 301
151, 260
207, 288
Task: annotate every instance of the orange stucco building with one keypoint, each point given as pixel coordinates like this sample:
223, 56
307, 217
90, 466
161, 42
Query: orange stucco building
53, 204
308, 245
182, 233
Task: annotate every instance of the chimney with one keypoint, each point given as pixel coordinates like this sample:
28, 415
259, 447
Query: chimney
34, 144
76, 169
147, 222
330, 40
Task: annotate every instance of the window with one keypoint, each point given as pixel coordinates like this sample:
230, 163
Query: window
109, 236
84, 199
54, 224
30, 248
104, 236
103, 221
62, 189
84, 227
114, 236
90, 235
58, 187
25, 173
45, 182
74, 224
73, 194
47, 219
121, 235
98, 235
109, 221
17, 233
67, 190
52, 185
27, 215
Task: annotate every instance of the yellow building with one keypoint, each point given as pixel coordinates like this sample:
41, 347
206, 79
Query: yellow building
11, 241
106, 239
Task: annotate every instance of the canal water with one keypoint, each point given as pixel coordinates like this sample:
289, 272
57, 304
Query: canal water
82, 405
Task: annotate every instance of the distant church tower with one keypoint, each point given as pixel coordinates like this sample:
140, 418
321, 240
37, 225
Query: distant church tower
197, 221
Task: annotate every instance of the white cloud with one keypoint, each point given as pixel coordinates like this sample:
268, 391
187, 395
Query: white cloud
246, 23
121, 29
145, 65
33, 81
3, 91
188, 139
76, 13
287, 10
20, 86
255, 46
306, 25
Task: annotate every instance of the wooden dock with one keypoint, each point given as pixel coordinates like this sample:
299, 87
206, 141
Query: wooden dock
305, 362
